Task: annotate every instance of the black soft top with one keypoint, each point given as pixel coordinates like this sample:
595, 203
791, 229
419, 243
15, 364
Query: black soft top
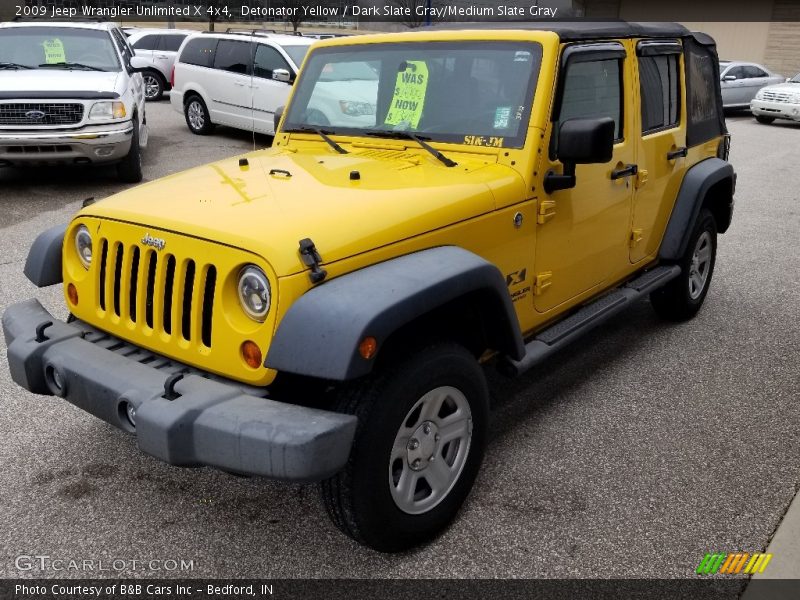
578, 29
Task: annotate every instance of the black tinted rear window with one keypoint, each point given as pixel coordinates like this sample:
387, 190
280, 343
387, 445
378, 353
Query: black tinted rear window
235, 57
199, 51
148, 42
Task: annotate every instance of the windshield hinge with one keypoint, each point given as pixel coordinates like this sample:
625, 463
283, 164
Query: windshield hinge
312, 259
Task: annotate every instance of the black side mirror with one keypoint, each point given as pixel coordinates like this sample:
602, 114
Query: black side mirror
276, 119
581, 142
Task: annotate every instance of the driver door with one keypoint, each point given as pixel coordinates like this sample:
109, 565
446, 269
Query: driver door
583, 232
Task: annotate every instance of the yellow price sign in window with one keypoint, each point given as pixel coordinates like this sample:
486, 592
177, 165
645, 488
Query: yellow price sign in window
54, 52
409, 94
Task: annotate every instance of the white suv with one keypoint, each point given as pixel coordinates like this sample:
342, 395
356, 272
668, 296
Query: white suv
70, 93
158, 47
235, 79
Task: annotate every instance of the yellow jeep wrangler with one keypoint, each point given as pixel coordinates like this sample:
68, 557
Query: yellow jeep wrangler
320, 310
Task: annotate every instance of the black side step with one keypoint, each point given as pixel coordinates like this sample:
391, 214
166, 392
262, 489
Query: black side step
560, 334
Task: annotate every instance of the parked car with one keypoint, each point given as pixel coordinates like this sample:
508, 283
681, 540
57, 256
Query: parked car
320, 310
781, 101
158, 47
71, 93
235, 79
740, 81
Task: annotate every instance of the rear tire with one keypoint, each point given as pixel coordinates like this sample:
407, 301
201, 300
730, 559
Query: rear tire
130, 169
197, 117
764, 120
154, 86
392, 496
681, 298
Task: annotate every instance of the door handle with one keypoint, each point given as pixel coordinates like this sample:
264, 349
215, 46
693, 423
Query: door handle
238, 84
680, 152
627, 171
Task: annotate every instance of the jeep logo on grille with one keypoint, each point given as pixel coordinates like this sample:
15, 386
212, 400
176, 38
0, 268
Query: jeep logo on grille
35, 115
156, 243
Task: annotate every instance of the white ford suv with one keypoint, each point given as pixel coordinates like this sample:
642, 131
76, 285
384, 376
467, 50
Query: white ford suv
71, 93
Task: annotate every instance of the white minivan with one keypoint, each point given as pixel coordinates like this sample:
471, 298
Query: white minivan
235, 79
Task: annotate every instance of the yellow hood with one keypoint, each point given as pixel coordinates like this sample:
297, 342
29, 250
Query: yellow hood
283, 196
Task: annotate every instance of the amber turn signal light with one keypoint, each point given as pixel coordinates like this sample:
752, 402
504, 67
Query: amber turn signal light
72, 294
368, 347
251, 354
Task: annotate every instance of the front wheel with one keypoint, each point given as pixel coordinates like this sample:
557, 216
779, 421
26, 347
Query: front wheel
764, 120
422, 426
682, 297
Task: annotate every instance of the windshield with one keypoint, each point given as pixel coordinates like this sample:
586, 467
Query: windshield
52, 47
297, 53
475, 93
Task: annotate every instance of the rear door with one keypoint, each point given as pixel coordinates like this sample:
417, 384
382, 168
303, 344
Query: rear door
582, 235
166, 52
230, 87
661, 155
146, 45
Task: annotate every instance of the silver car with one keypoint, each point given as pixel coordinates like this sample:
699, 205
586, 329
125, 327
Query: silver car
740, 82
158, 47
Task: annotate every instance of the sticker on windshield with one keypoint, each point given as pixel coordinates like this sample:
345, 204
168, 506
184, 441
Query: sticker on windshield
54, 52
522, 56
408, 98
501, 116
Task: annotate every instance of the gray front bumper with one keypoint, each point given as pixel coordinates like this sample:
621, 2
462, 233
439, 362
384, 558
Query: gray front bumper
93, 143
212, 422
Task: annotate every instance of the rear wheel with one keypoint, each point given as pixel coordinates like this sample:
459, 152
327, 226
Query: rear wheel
682, 297
418, 447
197, 117
764, 120
154, 85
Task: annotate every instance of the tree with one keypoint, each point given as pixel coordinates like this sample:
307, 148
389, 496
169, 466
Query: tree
411, 8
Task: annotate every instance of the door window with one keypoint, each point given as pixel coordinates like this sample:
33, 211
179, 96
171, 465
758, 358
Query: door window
593, 89
267, 60
753, 72
148, 42
660, 90
738, 72
171, 43
234, 57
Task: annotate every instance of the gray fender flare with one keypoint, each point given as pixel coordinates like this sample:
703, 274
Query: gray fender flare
43, 265
696, 183
321, 331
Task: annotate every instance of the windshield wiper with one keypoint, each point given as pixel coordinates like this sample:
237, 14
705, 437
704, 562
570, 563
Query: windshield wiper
13, 65
71, 65
321, 133
420, 140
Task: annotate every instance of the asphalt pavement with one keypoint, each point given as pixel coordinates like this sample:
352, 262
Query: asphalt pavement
631, 454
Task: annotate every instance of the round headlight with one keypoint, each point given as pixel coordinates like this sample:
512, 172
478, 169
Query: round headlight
83, 245
254, 293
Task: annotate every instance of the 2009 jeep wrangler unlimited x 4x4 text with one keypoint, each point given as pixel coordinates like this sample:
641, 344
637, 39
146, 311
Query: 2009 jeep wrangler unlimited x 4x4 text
319, 311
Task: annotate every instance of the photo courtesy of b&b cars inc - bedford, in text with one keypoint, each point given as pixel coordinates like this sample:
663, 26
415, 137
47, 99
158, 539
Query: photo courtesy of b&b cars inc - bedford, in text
399, 299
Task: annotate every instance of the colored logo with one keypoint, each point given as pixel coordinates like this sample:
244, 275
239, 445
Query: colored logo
733, 563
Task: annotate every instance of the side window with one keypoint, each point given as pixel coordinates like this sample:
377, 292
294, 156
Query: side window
753, 72
171, 43
267, 60
233, 57
737, 72
199, 51
659, 83
593, 89
148, 42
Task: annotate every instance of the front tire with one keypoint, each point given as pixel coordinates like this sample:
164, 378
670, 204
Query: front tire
764, 120
130, 169
422, 426
197, 116
681, 298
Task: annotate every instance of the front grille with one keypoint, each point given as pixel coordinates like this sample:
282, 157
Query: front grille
777, 96
37, 113
158, 291
38, 149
